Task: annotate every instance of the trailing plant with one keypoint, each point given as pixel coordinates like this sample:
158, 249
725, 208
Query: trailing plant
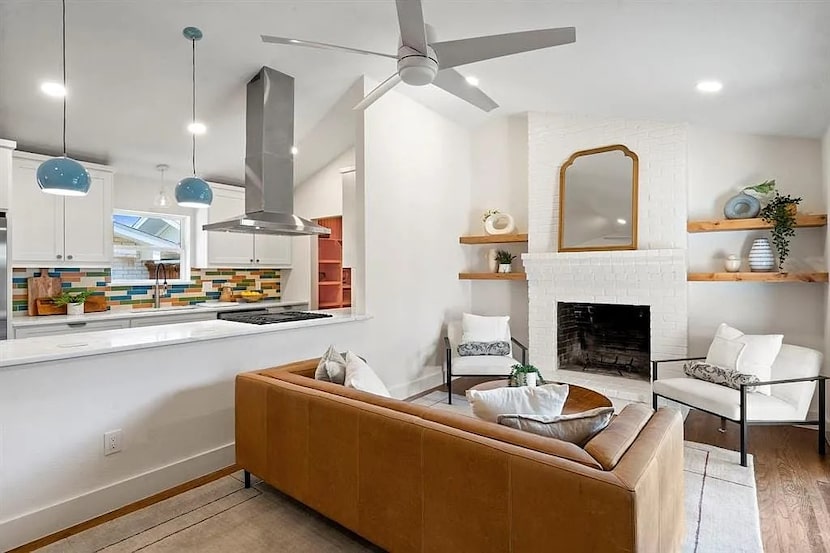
764, 189
489, 213
65, 298
780, 213
504, 257
518, 376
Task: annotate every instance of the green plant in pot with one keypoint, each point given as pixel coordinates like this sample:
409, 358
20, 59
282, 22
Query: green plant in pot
780, 212
505, 259
525, 375
74, 301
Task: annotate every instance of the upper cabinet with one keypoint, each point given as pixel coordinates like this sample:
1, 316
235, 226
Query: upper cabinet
233, 249
6, 150
60, 230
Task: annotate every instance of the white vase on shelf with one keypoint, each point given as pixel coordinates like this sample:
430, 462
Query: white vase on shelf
732, 264
761, 258
499, 223
492, 263
505, 268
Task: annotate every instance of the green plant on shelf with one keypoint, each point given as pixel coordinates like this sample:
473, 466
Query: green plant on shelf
489, 213
68, 297
504, 257
780, 212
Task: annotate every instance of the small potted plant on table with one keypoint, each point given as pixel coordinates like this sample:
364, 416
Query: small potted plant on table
780, 212
74, 301
525, 375
504, 258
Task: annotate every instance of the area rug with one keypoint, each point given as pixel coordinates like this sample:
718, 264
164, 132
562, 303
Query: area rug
224, 517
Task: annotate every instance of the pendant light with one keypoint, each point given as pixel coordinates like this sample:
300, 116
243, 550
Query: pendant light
193, 191
162, 199
63, 175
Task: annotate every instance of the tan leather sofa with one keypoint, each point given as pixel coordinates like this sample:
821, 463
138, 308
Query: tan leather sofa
410, 478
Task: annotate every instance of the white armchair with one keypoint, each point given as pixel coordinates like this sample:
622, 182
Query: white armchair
795, 376
476, 365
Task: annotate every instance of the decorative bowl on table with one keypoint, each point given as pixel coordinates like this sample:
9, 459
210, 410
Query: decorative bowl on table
251, 296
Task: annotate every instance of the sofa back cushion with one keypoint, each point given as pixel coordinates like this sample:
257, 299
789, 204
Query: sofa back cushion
610, 445
796, 362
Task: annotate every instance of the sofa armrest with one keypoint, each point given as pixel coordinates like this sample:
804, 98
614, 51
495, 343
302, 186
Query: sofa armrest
787, 380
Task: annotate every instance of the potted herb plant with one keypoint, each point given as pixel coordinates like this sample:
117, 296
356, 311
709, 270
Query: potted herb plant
504, 258
780, 212
525, 375
74, 301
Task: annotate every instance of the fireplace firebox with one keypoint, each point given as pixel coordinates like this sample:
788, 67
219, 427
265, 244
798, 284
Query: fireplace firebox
606, 339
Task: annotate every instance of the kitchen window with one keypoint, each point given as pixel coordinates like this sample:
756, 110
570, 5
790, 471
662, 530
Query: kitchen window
142, 240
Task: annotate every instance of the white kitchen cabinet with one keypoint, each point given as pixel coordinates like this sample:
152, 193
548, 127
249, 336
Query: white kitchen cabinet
6, 149
60, 230
172, 319
233, 249
69, 328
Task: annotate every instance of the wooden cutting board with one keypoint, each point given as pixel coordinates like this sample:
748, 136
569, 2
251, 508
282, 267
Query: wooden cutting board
42, 286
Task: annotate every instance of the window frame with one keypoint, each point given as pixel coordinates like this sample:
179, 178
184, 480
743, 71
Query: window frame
185, 273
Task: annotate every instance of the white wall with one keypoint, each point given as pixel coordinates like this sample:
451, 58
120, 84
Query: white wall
825, 156
720, 163
413, 190
499, 181
321, 195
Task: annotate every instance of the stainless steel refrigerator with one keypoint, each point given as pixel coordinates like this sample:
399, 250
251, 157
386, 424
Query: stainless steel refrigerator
4, 276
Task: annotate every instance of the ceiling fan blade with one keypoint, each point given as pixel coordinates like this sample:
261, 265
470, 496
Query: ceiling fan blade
411, 21
454, 82
453, 53
321, 45
379, 91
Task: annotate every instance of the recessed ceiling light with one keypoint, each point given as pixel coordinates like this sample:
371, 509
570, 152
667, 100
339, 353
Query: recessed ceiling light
50, 88
472, 81
294, 150
709, 86
621, 221
197, 128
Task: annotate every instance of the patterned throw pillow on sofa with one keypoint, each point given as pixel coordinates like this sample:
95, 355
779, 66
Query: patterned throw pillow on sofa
577, 429
720, 375
484, 348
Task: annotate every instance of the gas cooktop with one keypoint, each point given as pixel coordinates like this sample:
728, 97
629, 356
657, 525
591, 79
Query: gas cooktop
265, 318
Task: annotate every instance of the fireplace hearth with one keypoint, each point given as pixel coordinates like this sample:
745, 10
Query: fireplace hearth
607, 339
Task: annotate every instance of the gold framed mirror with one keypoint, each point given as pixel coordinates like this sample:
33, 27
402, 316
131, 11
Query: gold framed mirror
598, 200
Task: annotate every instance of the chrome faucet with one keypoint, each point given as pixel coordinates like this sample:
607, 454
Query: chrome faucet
159, 289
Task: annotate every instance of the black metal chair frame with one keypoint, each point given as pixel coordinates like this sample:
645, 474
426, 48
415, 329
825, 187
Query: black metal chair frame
449, 365
742, 420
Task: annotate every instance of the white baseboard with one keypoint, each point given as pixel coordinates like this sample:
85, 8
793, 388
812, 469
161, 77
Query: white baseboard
434, 377
69, 512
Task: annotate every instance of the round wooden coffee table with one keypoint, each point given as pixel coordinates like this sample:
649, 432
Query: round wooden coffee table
579, 399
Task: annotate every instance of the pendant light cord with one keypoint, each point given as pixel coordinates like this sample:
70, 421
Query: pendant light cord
193, 118
63, 38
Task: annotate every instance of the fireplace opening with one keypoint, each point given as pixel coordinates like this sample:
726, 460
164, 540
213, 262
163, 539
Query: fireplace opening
605, 339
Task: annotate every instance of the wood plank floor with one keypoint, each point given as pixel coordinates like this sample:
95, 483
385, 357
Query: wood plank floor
793, 480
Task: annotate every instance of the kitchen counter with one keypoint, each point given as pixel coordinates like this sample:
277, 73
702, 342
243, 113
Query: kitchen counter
52, 348
19, 321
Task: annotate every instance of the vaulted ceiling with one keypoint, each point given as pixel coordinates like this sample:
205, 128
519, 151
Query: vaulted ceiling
130, 90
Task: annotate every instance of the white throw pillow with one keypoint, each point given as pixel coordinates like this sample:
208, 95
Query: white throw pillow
332, 367
477, 328
755, 357
725, 353
545, 400
360, 376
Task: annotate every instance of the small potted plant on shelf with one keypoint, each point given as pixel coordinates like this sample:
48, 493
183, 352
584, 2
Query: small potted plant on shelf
525, 375
504, 258
780, 212
74, 301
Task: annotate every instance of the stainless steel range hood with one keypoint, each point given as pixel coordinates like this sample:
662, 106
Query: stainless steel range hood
269, 166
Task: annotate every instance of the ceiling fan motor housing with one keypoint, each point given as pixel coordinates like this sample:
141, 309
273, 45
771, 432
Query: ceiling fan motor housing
415, 68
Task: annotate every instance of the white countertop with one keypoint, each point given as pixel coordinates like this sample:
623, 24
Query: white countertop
82, 344
19, 321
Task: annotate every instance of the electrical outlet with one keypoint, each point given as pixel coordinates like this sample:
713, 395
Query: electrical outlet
207, 286
113, 441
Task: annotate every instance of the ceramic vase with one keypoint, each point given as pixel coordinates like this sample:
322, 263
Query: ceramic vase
74, 309
492, 263
505, 268
499, 223
742, 206
732, 264
761, 257
530, 379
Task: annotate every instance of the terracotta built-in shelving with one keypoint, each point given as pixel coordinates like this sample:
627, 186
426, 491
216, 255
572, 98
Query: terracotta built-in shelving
334, 281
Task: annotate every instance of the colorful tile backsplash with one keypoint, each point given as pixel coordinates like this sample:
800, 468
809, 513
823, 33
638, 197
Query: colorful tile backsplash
99, 281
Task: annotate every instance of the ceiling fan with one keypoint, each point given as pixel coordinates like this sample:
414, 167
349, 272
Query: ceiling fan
422, 60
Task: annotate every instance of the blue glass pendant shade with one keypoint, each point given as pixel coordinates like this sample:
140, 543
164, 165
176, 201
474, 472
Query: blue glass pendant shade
63, 176
193, 192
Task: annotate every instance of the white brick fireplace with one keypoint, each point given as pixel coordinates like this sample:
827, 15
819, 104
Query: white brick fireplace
654, 275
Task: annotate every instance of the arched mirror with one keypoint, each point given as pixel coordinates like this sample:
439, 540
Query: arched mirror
598, 200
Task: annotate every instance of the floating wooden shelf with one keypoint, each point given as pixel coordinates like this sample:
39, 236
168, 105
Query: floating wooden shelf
337, 261
329, 283
758, 277
492, 276
718, 225
493, 239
